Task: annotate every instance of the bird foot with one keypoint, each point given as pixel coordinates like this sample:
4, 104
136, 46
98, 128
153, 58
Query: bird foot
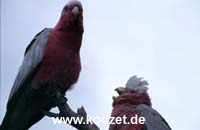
59, 99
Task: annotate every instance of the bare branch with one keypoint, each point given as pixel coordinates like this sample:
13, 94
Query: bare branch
66, 111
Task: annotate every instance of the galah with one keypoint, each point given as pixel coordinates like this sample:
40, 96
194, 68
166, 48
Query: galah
134, 101
51, 60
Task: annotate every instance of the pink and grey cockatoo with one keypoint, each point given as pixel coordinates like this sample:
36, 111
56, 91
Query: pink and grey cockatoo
134, 100
51, 60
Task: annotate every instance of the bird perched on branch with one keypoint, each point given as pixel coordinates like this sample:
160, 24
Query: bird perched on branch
51, 62
133, 101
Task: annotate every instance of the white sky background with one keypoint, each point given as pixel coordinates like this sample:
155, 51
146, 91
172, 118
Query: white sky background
159, 40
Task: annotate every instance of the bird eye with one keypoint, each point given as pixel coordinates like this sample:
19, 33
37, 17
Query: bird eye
65, 9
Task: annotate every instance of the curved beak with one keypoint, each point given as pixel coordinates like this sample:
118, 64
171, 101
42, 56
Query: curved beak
120, 90
75, 10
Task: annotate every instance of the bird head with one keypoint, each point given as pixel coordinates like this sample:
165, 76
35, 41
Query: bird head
71, 17
135, 92
134, 85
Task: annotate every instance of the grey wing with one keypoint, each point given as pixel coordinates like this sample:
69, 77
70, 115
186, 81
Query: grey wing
153, 120
33, 56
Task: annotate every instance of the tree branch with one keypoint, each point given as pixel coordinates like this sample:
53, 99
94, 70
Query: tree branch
66, 111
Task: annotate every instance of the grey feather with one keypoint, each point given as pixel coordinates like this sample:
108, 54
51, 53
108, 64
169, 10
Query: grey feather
136, 84
33, 56
153, 120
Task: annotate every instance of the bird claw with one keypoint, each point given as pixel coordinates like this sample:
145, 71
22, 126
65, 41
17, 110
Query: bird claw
60, 100
53, 93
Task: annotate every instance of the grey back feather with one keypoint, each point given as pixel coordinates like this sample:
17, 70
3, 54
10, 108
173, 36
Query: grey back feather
153, 120
33, 56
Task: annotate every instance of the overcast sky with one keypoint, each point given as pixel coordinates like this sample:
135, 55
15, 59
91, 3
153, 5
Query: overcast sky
158, 40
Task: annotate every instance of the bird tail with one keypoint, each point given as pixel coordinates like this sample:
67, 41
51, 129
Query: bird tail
6, 123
